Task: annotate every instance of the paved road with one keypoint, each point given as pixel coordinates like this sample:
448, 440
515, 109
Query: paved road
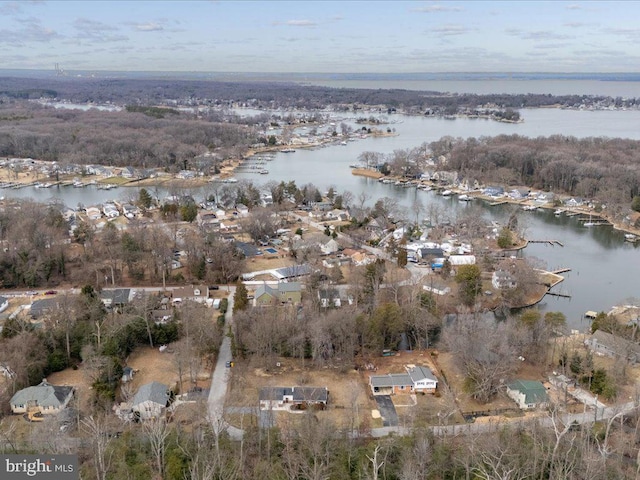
387, 410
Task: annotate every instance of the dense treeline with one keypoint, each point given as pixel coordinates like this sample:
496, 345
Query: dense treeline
138, 138
602, 168
312, 449
272, 94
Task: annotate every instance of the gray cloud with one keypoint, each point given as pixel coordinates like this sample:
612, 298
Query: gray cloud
551, 46
536, 35
31, 31
300, 23
436, 8
85, 24
10, 8
574, 6
451, 29
148, 27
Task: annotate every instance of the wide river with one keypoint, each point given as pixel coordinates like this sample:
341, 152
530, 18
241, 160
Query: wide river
604, 267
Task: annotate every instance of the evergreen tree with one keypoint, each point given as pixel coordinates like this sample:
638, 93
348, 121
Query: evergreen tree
241, 299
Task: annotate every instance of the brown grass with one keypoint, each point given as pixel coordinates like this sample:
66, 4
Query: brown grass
347, 387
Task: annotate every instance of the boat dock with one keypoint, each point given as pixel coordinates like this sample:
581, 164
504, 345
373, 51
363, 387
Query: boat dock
561, 270
548, 242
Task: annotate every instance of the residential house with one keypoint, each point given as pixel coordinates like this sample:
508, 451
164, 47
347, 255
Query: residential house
110, 210
528, 394
417, 379
207, 220
248, 249
293, 398
44, 306
116, 297
195, 293
574, 202
545, 197
243, 210
130, 211
93, 213
150, 400
283, 292
493, 191
44, 398
503, 280
128, 172
329, 297
423, 255
330, 247
519, 193
604, 343
338, 215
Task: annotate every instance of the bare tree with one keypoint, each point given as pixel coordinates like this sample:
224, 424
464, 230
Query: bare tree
100, 439
157, 431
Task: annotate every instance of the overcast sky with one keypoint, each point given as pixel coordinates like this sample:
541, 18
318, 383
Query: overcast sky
321, 36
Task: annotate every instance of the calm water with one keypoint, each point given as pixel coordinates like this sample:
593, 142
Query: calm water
604, 267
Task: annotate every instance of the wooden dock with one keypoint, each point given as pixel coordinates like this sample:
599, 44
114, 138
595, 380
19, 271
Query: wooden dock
548, 242
562, 295
561, 270
495, 204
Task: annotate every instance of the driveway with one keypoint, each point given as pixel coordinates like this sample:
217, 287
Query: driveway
387, 410
220, 379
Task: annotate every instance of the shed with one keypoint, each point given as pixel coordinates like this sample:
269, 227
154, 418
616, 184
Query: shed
528, 394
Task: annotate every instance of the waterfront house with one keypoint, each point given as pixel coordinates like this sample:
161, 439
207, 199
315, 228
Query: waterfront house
417, 379
293, 398
493, 191
528, 394
574, 202
44, 398
519, 193
607, 344
503, 280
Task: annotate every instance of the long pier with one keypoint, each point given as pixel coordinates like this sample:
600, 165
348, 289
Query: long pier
554, 294
548, 242
561, 270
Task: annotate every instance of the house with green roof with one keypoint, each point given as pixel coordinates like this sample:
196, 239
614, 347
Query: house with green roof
528, 394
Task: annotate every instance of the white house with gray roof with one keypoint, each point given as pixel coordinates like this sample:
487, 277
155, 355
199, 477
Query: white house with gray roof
150, 400
46, 398
417, 379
